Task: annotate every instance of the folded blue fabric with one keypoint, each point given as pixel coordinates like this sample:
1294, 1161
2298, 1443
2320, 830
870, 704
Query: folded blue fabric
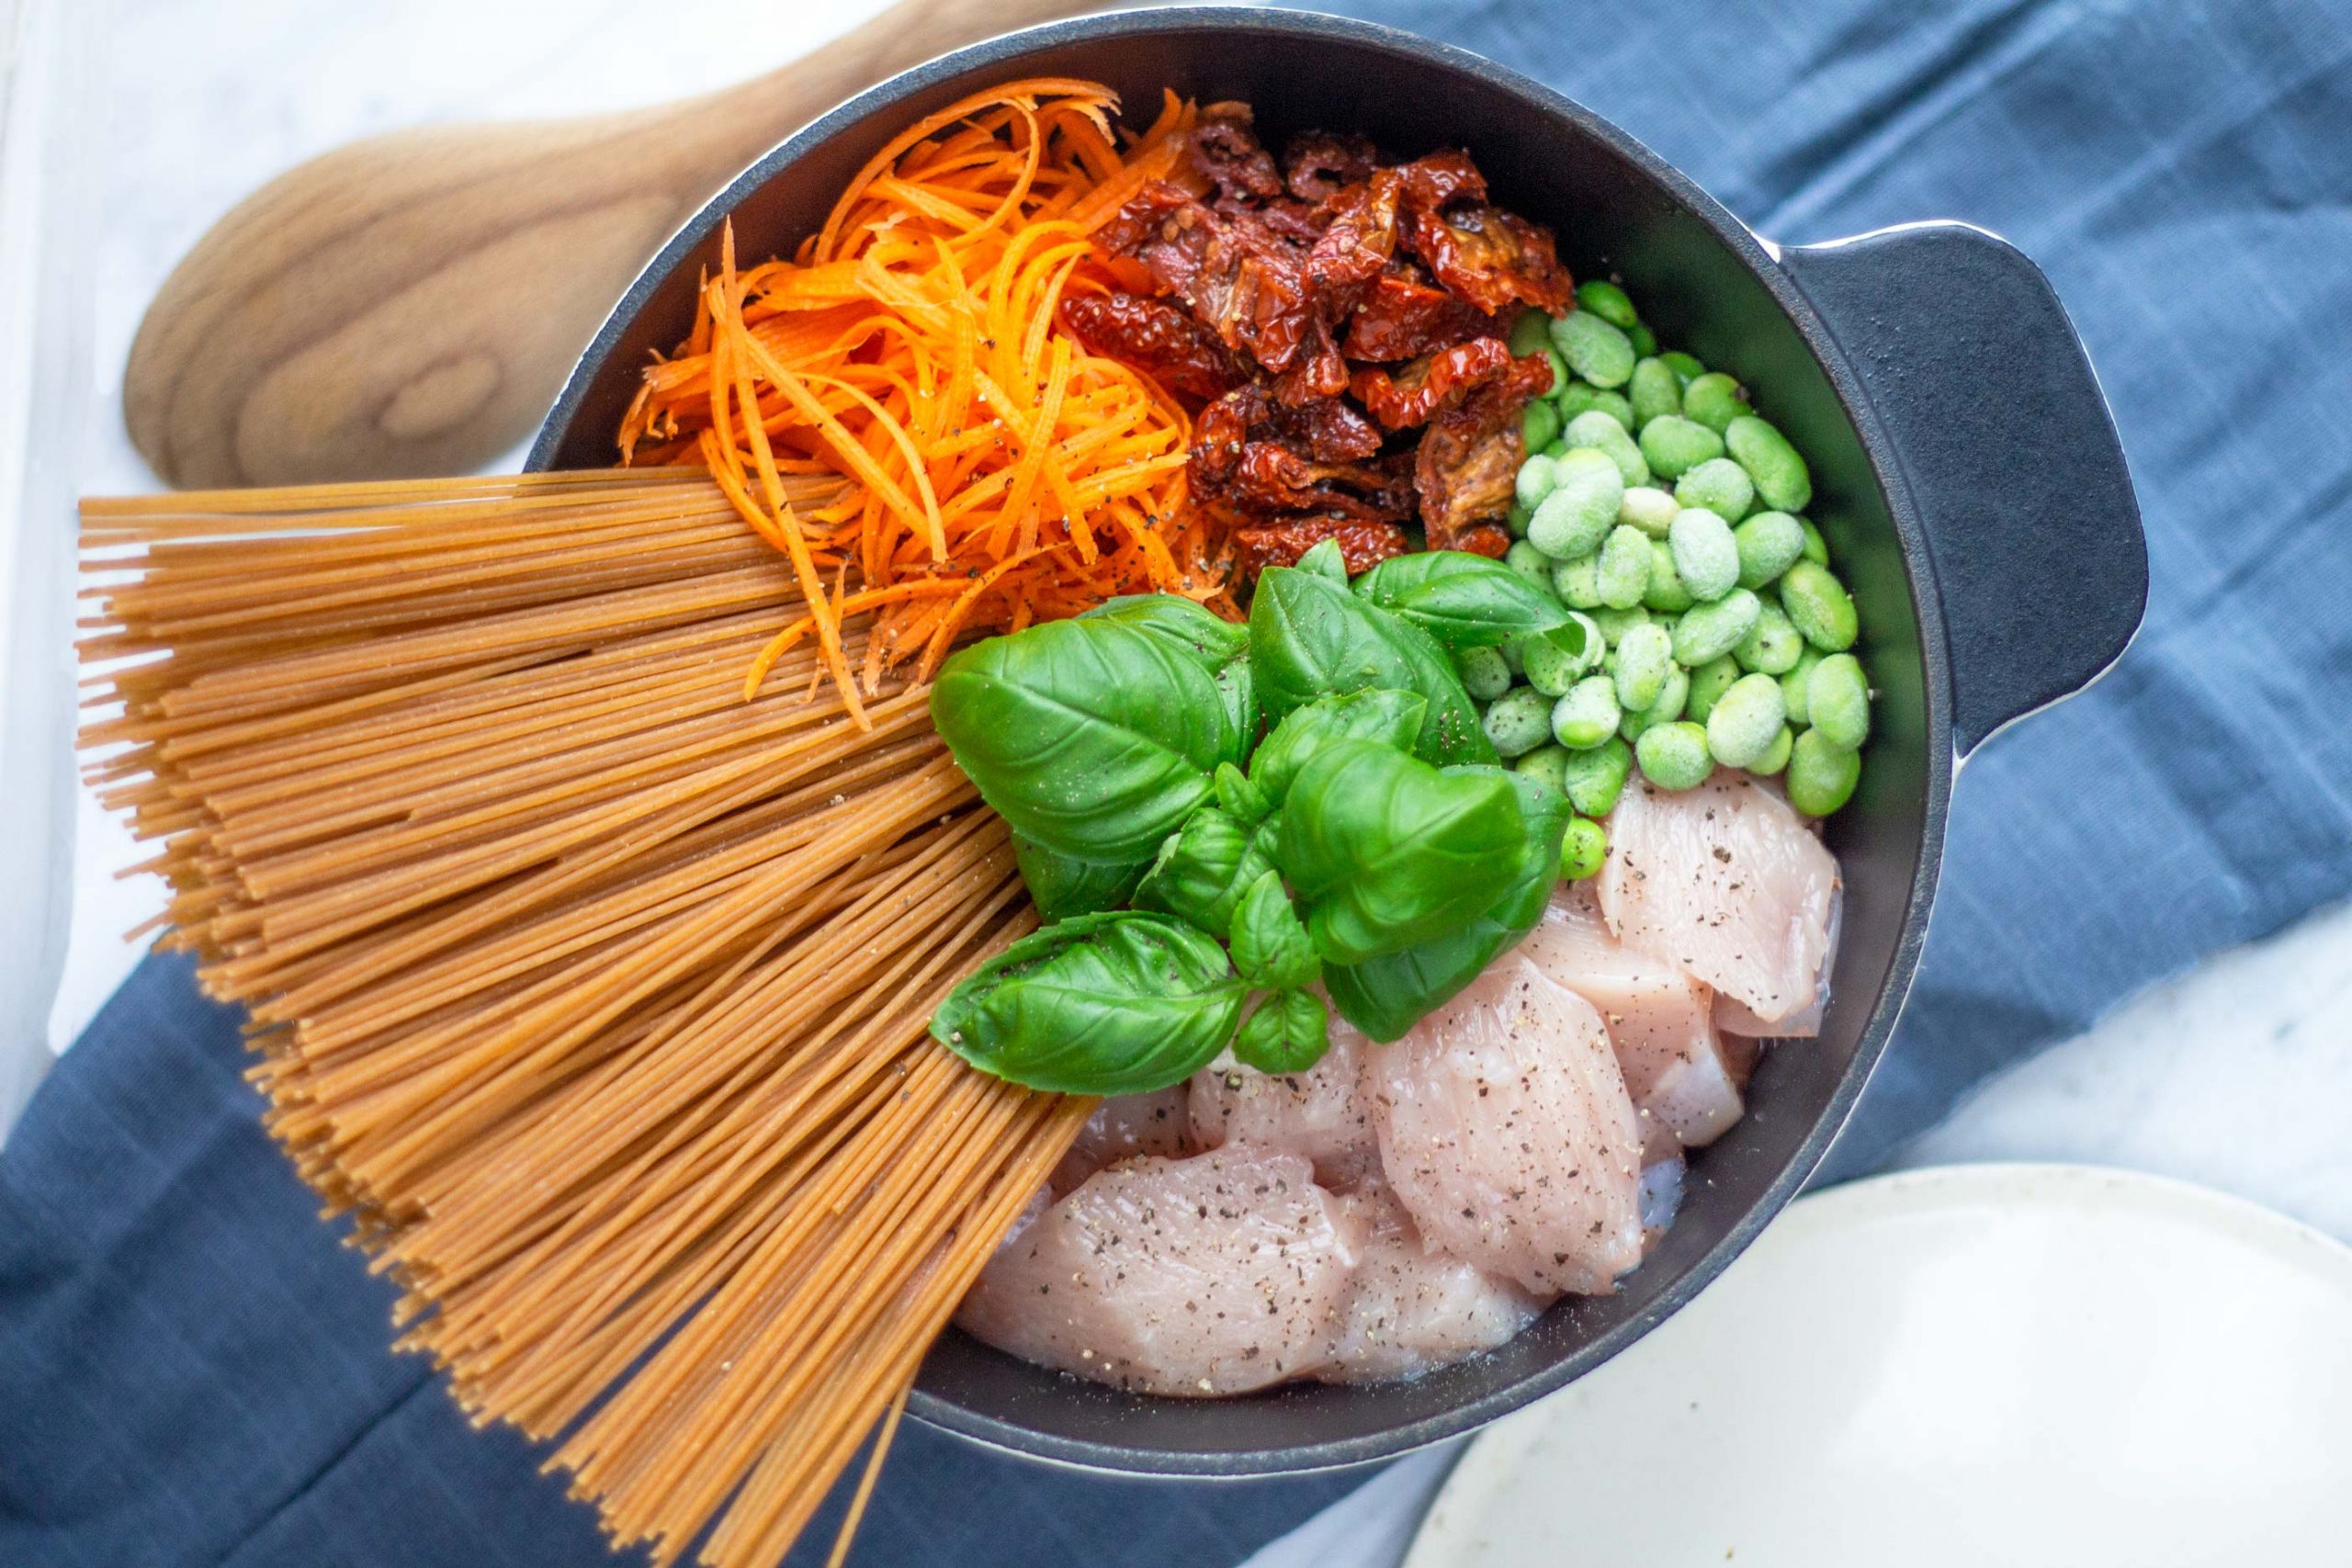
192, 1372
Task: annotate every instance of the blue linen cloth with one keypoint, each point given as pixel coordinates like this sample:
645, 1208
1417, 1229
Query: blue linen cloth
192, 1372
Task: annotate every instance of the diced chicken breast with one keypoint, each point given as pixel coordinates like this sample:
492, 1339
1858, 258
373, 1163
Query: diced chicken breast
1125, 1125
1506, 1132
1661, 1020
1217, 1274
1322, 1115
1727, 881
1734, 1017
1414, 1309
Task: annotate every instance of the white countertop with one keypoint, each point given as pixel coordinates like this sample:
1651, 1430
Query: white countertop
2240, 1076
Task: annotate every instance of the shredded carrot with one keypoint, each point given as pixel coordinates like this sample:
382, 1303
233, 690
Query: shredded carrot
997, 472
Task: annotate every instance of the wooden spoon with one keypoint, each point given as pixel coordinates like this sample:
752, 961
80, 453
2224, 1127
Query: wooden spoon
409, 305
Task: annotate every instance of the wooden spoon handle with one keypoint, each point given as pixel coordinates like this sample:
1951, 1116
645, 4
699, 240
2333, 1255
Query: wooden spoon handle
409, 305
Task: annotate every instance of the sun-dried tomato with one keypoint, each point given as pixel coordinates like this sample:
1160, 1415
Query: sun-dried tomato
1403, 317
1166, 231
1316, 164
1466, 467
1255, 457
1363, 545
1251, 290
1419, 388
1155, 336
1491, 257
1444, 176
1226, 152
1318, 373
1356, 247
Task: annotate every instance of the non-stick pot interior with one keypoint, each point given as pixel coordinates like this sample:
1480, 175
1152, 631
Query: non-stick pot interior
1703, 285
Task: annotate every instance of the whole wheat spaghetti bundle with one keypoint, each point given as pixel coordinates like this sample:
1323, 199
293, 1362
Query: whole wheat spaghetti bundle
590, 982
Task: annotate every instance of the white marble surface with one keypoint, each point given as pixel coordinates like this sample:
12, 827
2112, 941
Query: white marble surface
2240, 1076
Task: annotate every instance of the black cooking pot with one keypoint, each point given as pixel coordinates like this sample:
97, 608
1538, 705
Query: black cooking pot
1965, 471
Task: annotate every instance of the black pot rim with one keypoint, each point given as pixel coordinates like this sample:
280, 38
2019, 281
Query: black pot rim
1760, 258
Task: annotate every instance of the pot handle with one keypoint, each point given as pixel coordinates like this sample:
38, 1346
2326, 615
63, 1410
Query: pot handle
2000, 427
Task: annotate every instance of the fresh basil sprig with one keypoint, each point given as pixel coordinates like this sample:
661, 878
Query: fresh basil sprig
1325, 559
1120, 1003
1287, 1033
1385, 995
1062, 886
1461, 600
1384, 851
1094, 738
1391, 717
1310, 638
1205, 868
1219, 647
1271, 946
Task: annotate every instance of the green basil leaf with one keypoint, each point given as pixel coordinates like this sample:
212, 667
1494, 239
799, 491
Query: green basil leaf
1241, 798
1378, 713
1093, 738
1461, 600
1120, 1003
1326, 559
1288, 1033
1384, 851
1062, 887
1309, 637
1269, 942
1217, 645
1205, 868
1385, 997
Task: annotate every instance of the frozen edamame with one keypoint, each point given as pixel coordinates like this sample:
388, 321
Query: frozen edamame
1709, 681
1623, 573
1586, 716
1819, 605
1774, 646
1672, 446
1594, 777
1654, 390
1596, 349
1706, 554
1640, 664
1484, 674
1769, 543
1584, 849
1580, 508
1781, 475
1838, 701
1518, 721
1713, 399
1674, 756
1709, 631
1721, 486
1741, 726
1601, 432
1822, 773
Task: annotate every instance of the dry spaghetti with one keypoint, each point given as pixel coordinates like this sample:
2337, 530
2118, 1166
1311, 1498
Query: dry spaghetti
998, 472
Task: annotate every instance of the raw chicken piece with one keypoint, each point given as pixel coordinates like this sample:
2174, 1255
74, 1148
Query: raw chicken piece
1217, 1274
1734, 1017
1505, 1131
1414, 1309
1661, 1190
1322, 1113
1727, 881
1661, 1020
1125, 1125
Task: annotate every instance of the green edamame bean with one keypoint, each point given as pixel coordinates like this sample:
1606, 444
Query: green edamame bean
1534, 480
1721, 486
1484, 674
1817, 549
1822, 773
1672, 697
1639, 664
1654, 390
1577, 582
1509, 651
1781, 475
1794, 684
1529, 562
1674, 756
1580, 508
1539, 425
1587, 715
1608, 302
1704, 553
1673, 446
1774, 646
1838, 701
1624, 571
1600, 432
1714, 399
1649, 509
1532, 333
1518, 721
1769, 543
1645, 341
1515, 518
1580, 398
1584, 849
1596, 776
1551, 668
1547, 763
1595, 349
1686, 368
1668, 593
1820, 606
1709, 681
1775, 756
1559, 370
1709, 631
1614, 624
1743, 720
